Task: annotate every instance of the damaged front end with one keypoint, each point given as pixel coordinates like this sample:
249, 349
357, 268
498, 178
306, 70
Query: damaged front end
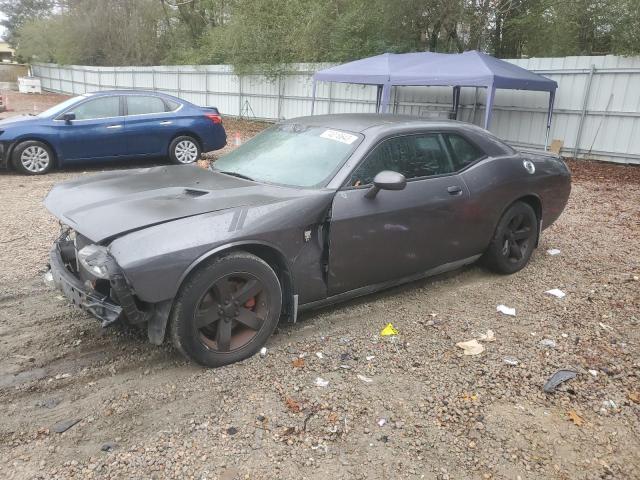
92, 280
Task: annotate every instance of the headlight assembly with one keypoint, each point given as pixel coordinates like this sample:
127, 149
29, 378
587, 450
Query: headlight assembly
95, 259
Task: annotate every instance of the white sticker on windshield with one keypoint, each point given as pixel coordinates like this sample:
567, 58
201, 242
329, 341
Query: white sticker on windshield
339, 136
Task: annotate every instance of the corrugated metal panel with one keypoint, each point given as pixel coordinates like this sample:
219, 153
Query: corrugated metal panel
610, 130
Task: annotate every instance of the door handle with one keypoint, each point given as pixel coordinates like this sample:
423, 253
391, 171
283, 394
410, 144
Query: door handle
166, 122
454, 190
111, 127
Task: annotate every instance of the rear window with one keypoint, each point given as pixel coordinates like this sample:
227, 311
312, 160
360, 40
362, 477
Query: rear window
140, 105
172, 105
464, 153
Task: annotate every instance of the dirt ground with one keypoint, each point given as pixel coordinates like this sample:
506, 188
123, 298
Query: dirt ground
409, 406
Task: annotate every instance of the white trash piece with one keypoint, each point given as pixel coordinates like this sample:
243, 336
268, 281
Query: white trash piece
263, 352
365, 379
553, 251
321, 382
556, 293
506, 310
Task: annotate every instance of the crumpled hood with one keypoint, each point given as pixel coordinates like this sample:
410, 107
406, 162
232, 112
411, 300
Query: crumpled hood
110, 204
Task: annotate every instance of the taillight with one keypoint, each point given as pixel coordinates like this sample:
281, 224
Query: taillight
214, 117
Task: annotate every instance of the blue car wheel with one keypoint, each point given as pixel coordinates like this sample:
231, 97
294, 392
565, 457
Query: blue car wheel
32, 158
184, 150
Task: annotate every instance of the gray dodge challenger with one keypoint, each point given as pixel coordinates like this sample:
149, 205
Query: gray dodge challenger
310, 212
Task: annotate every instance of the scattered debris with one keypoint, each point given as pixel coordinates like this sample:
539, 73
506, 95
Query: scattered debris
471, 347
108, 446
634, 397
381, 422
553, 251
557, 378
263, 352
292, 404
60, 376
48, 403
320, 382
556, 293
298, 362
513, 361
64, 425
388, 331
487, 337
319, 355
575, 418
370, 357
547, 342
609, 405
232, 431
604, 326
365, 379
593, 373
506, 310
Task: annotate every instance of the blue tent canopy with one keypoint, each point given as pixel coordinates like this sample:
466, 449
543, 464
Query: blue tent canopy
468, 69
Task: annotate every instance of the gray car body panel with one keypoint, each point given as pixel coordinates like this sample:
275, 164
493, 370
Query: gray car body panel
161, 223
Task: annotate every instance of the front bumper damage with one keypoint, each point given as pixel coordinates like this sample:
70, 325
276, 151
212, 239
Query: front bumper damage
109, 300
82, 293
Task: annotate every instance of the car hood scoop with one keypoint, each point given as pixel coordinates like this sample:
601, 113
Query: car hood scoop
110, 204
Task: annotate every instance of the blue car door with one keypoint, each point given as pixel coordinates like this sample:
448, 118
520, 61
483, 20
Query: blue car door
148, 125
96, 132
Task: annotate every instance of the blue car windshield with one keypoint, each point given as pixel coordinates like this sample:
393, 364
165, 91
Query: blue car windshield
291, 154
60, 107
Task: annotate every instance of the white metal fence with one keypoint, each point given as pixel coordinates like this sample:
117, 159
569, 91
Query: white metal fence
596, 115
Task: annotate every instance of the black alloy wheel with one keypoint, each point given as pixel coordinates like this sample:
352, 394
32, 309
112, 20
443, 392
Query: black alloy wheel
226, 310
514, 240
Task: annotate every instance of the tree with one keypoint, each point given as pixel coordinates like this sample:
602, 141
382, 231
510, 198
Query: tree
18, 12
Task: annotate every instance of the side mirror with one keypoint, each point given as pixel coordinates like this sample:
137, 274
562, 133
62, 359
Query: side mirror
386, 180
67, 117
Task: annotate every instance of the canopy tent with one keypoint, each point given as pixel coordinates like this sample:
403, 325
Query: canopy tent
468, 69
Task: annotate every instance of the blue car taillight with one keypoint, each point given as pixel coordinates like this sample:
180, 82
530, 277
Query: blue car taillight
214, 117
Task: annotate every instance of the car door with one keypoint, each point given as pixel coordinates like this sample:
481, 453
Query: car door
96, 132
398, 233
148, 124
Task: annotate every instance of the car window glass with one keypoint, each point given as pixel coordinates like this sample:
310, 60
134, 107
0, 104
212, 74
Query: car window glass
102, 107
172, 105
139, 104
464, 153
414, 156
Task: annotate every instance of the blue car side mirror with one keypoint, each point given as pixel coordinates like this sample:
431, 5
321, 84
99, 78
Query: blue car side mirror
67, 117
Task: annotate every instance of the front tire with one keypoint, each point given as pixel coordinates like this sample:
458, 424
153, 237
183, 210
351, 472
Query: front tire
32, 158
184, 150
514, 239
226, 310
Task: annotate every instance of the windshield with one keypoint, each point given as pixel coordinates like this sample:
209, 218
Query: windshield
59, 108
290, 154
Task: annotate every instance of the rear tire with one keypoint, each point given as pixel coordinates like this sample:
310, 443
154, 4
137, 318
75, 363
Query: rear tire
184, 150
32, 158
226, 310
514, 239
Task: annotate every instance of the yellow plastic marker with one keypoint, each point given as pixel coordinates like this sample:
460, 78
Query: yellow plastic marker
388, 331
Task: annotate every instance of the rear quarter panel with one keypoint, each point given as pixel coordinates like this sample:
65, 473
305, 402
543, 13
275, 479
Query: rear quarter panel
496, 182
212, 136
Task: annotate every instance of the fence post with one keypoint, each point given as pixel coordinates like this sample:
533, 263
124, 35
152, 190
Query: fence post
84, 79
240, 96
179, 87
583, 114
99, 79
133, 78
153, 78
279, 113
330, 97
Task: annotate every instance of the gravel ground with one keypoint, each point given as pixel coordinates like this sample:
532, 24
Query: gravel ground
427, 412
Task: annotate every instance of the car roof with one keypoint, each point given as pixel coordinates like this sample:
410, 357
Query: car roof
106, 93
359, 122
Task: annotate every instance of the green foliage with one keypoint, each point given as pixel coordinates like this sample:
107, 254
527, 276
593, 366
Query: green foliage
268, 35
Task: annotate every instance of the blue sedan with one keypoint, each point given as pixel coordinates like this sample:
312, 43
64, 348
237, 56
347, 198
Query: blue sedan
110, 125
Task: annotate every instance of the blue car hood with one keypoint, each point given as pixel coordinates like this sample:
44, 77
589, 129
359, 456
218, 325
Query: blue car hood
19, 120
104, 206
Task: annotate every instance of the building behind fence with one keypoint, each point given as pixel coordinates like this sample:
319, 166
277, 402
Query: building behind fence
596, 115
